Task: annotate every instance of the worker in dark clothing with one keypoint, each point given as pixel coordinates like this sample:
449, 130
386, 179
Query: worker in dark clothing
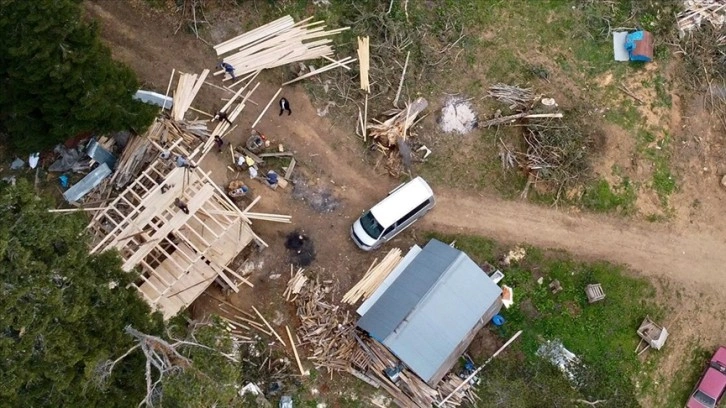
219, 142
182, 205
222, 116
285, 106
228, 69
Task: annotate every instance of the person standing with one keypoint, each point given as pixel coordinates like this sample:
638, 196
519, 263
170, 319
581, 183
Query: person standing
285, 106
219, 142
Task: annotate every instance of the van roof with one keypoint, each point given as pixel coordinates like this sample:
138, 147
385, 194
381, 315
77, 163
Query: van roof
393, 207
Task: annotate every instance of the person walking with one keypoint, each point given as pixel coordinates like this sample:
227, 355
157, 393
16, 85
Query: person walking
285, 106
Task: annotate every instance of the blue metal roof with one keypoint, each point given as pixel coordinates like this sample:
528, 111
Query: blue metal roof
431, 308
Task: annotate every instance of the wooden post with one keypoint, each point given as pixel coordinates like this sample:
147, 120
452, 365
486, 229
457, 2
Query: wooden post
294, 350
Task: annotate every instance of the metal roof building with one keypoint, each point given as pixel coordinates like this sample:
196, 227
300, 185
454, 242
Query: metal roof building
429, 310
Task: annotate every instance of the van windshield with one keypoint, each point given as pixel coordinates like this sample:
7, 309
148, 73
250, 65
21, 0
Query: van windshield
370, 225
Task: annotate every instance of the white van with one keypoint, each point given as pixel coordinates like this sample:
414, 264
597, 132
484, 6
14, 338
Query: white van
403, 206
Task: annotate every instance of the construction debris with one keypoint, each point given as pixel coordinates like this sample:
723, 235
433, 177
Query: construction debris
295, 284
697, 11
277, 43
373, 277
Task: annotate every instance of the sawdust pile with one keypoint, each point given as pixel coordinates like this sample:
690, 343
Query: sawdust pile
458, 116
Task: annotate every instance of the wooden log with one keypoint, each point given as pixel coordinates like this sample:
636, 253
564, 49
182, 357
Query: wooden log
266, 107
400, 83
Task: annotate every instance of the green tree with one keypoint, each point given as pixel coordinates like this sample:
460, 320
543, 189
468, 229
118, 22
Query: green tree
57, 79
62, 311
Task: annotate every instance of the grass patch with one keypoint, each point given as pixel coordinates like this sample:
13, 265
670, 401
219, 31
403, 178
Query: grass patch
683, 380
600, 196
602, 335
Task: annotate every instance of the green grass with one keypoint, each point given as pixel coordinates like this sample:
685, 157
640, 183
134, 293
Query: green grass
602, 335
682, 381
600, 196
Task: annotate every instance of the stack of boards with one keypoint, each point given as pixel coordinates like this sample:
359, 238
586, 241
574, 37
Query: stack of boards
277, 43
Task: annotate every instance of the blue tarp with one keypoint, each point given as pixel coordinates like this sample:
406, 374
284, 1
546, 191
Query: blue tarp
631, 44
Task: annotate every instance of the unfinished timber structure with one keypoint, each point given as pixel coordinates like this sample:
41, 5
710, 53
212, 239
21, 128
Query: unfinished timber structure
171, 222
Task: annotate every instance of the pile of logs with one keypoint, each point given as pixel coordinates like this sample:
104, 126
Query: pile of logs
277, 43
325, 329
373, 277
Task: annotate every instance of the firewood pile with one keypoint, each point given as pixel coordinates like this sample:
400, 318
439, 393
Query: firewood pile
517, 98
325, 329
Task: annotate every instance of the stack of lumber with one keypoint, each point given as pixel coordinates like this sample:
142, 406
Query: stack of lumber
364, 62
388, 132
135, 154
373, 277
324, 329
186, 90
277, 43
295, 284
695, 12
410, 390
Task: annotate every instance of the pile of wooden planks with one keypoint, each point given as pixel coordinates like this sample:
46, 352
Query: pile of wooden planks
409, 390
186, 90
295, 284
277, 43
373, 277
241, 325
324, 329
697, 11
364, 62
396, 127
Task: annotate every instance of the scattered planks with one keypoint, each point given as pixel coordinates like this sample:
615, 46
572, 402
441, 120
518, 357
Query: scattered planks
324, 330
373, 277
395, 127
277, 43
364, 62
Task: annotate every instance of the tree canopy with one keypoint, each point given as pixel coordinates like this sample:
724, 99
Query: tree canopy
63, 311
57, 79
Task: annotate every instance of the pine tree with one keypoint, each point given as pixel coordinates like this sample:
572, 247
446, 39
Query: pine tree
57, 79
62, 311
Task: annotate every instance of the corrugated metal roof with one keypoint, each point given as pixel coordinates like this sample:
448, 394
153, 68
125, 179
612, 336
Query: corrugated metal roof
399, 300
86, 184
437, 319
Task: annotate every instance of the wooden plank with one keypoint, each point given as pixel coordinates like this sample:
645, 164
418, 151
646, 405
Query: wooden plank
290, 168
266, 107
294, 350
276, 154
269, 326
318, 71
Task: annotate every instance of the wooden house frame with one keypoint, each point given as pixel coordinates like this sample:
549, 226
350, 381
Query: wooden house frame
177, 255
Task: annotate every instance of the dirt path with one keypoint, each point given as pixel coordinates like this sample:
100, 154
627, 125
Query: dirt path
689, 254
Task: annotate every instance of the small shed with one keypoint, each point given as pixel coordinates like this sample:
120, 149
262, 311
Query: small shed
429, 314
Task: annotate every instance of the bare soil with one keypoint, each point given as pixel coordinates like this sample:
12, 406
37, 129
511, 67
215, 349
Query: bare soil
687, 253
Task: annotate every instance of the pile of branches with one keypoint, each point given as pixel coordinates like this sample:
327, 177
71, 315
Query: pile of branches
518, 99
392, 136
557, 154
704, 57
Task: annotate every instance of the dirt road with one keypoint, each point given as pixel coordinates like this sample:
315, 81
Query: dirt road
687, 256
691, 254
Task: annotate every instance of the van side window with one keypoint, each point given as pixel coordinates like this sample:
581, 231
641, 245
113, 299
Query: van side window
412, 213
